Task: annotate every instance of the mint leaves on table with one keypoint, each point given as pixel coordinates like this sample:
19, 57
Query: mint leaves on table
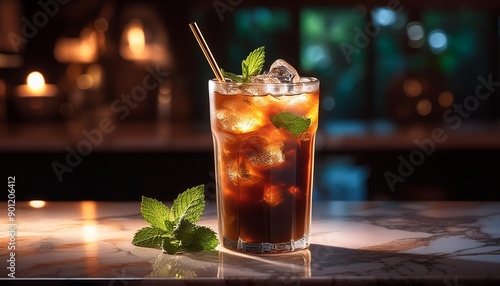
174, 230
291, 122
251, 66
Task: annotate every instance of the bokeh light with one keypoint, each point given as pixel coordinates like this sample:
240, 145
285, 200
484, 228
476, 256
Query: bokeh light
35, 81
328, 103
416, 34
415, 31
101, 25
37, 204
317, 56
412, 87
445, 99
438, 41
383, 16
424, 107
84, 81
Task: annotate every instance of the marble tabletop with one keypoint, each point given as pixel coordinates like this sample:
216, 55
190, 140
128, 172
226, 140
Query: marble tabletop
353, 243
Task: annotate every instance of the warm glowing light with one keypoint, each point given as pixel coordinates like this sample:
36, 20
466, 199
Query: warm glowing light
86, 51
95, 72
35, 87
88, 44
101, 25
135, 37
164, 98
88, 209
90, 232
77, 50
37, 204
11, 60
84, 81
36, 82
134, 45
412, 87
424, 107
445, 99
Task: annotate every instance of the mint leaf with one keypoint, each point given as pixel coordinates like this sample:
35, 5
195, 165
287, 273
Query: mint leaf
232, 76
189, 205
291, 122
195, 238
171, 245
169, 227
185, 231
253, 64
154, 212
148, 237
204, 239
175, 230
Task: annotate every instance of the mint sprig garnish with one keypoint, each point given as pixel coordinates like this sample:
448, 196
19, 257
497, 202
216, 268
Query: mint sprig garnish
174, 230
251, 66
291, 122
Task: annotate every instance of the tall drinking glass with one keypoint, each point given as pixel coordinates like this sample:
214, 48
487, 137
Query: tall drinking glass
264, 136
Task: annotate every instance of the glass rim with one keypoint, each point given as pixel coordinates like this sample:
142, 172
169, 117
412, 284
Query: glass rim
307, 84
311, 81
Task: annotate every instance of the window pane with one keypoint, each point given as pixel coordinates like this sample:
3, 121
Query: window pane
464, 54
255, 27
329, 51
390, 54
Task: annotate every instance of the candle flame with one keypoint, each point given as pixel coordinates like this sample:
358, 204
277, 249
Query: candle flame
83, 49
37, 204
135, 37
35, 81
88, 44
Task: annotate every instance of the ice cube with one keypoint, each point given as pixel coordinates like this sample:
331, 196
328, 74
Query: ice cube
241, 175
239, 116
229, 144
273, 196
261, 152
283, 71
264, 79
301, 100
294, 190
306, 136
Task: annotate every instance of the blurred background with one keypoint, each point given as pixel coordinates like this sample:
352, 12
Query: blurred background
118, 108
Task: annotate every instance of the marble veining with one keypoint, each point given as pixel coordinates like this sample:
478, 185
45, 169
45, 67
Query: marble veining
447, 243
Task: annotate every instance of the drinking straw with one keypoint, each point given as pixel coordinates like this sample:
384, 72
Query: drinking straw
204, 47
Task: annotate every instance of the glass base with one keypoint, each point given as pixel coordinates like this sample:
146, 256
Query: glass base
266, 247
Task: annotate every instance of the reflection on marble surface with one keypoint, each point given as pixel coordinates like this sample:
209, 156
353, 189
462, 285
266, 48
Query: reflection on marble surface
446, 243
222, 263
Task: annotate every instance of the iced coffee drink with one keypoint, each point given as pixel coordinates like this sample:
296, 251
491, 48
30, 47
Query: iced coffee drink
264, 133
